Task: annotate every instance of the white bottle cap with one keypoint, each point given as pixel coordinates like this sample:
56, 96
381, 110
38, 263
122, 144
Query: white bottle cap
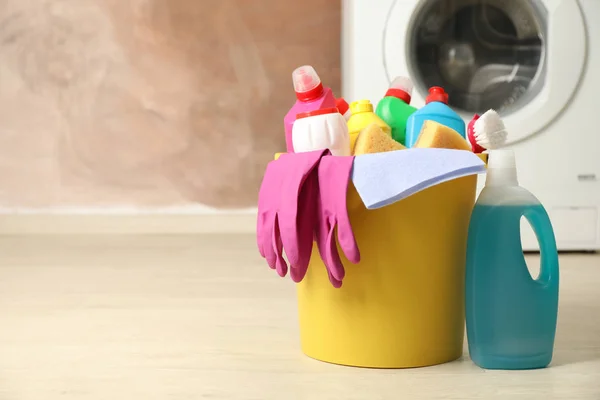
321, 130
403, 83
501, 168
305, 79
504, 158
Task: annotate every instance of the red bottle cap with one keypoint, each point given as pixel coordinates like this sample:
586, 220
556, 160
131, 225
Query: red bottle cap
437, 93
310, 94
342, 105
400, 94
331, 110
401, 88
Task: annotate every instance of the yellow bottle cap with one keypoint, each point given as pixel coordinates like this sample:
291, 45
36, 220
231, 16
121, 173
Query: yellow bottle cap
361, 106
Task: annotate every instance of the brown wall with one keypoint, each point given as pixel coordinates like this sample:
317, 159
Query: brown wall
151, 102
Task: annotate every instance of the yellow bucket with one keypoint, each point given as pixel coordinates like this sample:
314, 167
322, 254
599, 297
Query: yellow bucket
403, 304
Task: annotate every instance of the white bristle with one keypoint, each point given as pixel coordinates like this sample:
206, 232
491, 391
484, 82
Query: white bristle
489, 131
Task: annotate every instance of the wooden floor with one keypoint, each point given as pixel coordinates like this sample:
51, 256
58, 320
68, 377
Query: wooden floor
193, 317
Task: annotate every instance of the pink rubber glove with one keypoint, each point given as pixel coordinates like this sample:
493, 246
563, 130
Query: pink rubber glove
306, 225
334, 175
267, 225
279, 226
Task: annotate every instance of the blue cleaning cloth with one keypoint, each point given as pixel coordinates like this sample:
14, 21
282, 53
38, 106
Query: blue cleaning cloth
385, 178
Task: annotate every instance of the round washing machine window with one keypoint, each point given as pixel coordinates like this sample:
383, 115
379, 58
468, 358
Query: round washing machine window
485, 53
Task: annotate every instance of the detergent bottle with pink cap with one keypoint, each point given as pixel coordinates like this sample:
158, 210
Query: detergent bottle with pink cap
311, 95
436, 109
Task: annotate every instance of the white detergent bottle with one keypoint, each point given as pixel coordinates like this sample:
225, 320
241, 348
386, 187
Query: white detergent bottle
319, 130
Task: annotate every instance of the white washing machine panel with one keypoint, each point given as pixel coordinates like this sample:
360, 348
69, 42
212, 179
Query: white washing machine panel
553, 133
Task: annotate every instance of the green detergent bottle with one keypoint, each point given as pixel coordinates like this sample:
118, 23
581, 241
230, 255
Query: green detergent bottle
395, 107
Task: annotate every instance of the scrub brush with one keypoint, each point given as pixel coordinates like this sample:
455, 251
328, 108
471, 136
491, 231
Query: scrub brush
486, 132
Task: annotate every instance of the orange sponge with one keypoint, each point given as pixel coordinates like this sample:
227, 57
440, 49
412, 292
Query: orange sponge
434, 134
372, 139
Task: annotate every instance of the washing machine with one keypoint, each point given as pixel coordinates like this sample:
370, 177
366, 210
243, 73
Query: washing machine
536, 62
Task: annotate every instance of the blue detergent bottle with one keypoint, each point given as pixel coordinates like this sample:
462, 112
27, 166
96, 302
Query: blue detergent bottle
511, 317
436, 109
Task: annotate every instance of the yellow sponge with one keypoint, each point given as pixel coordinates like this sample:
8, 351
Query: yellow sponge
434, 134
372, 139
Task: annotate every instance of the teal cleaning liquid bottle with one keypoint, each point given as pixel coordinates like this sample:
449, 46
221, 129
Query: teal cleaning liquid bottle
511, 317
436, 109
395, 108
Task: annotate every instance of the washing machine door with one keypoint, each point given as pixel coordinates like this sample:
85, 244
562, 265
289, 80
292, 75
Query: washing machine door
523, 58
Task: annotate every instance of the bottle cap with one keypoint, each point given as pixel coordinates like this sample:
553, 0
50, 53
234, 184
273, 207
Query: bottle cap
330, 110
361, 106
342, 105
401, 88
307, 83
437, 93
504, 158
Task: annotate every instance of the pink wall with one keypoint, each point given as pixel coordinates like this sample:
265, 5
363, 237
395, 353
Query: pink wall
151, 102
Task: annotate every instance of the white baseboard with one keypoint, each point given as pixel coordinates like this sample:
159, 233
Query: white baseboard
187, 220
